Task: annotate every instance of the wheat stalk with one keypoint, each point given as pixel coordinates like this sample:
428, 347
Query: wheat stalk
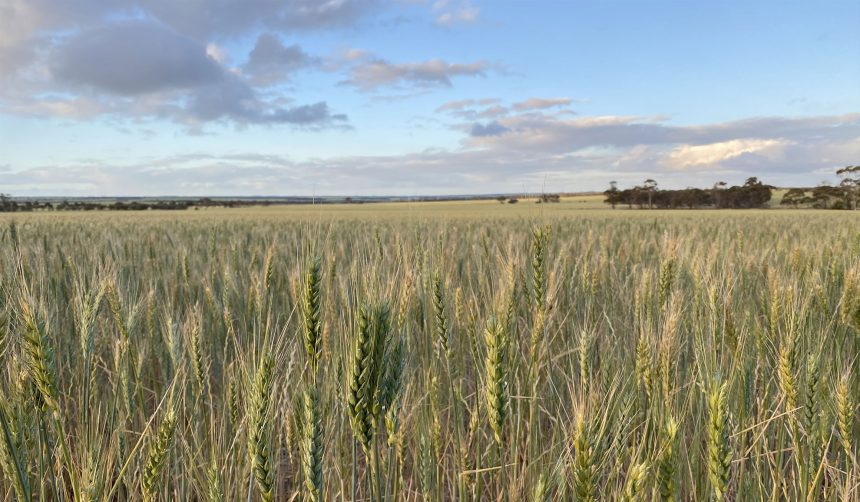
310, 310
214, 483
440, 317
39, 360
719, 453
668, 459
496, 366
845, 413
367, 365
312, 445
159, 450
259, 427
12, 459
635, 482
584, 470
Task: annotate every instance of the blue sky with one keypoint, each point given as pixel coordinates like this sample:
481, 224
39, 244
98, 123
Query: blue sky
359, 97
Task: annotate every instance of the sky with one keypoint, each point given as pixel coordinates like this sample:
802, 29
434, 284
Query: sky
413, 97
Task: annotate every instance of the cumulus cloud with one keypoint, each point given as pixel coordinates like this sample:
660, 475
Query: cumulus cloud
135, 58
233, 100
165, 59
24, 22
145, 69
372, 73
687, 156
492, 128
271, 61
161, 59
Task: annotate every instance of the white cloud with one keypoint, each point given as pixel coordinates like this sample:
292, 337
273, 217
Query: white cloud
466, 106
687, 156
558, 134
541, 103
464, 15
216, 53
371, 73
449, 14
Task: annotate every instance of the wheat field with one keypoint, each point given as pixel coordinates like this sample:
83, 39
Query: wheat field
430, 354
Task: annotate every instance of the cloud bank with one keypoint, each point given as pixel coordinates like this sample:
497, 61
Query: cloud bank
512, 156
160, 60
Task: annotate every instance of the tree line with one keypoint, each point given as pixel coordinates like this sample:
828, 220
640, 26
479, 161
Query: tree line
10, 205
752, 194
846, 195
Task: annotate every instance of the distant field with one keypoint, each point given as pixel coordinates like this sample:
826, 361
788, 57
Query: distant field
525, 208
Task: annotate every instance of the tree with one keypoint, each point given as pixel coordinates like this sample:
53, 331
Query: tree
756, 193
828, 197
6, 203
794, 197
717, 191
752, 194
650, 187
690, 198
613, 196
851, 184
549, 197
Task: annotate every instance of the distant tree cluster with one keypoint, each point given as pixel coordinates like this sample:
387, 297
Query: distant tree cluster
9, 205
541, 199
752, 194
549, 197
844, 196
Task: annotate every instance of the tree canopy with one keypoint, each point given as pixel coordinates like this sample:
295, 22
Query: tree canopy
753, 193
